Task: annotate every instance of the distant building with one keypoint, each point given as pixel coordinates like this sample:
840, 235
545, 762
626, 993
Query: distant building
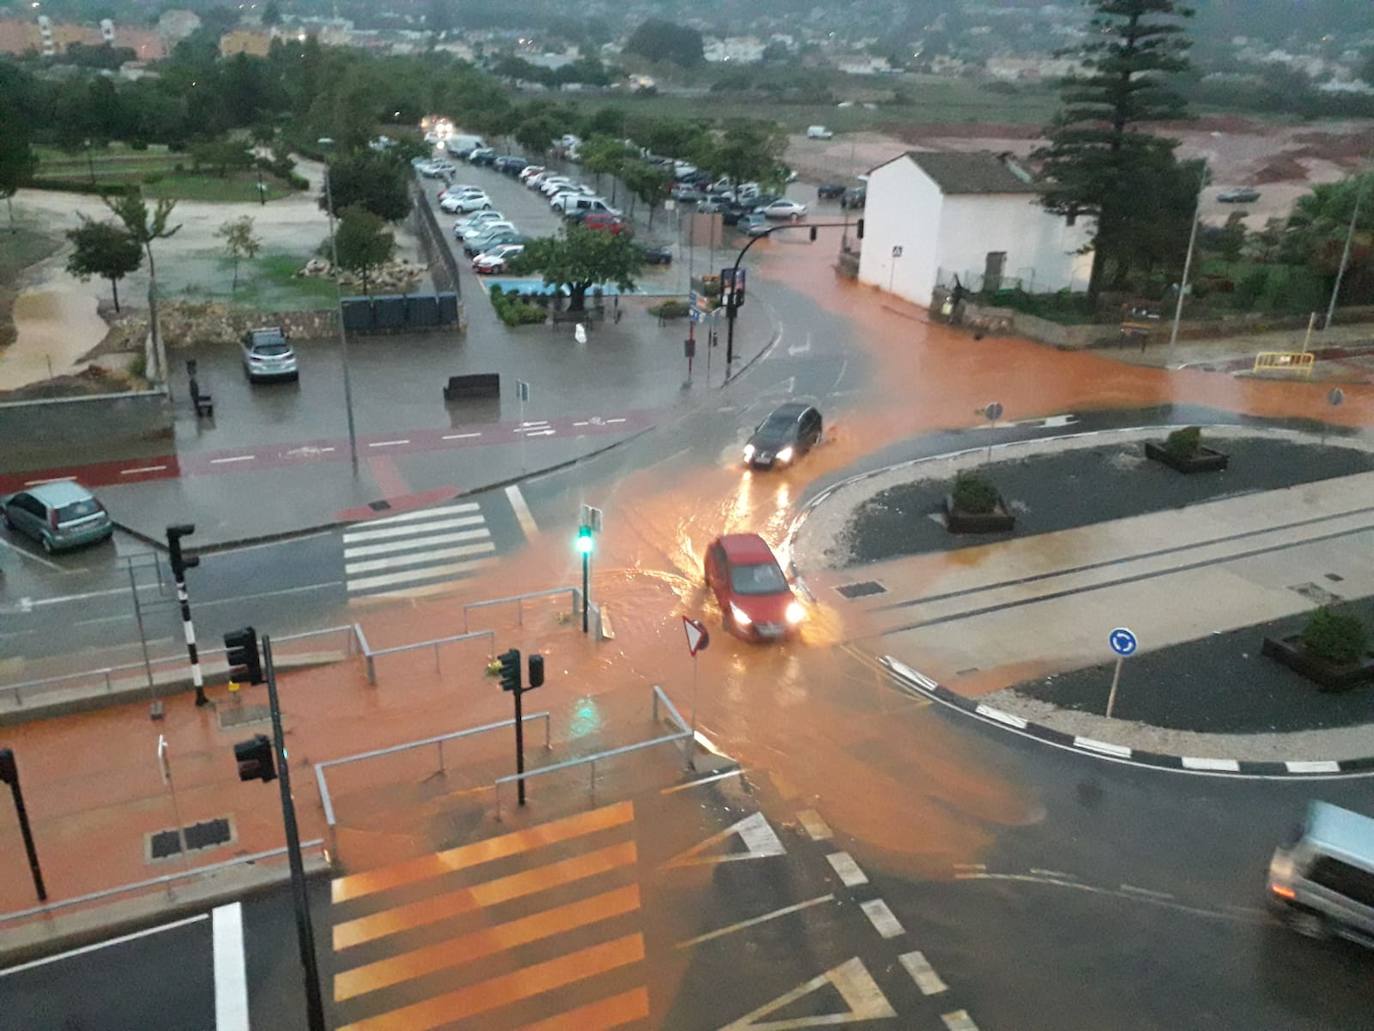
50, 38
863, 65
1030, 69
740, 49
176, 24
932, 216
245, 41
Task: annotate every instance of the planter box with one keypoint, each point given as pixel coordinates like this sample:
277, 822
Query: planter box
1328, 676
999, 520
1204, 461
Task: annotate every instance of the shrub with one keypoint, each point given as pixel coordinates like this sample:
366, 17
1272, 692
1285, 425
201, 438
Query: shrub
298, 182
138, 144
514, 310
973, 494
670, 309
1337, 637
152, 177
1183, 444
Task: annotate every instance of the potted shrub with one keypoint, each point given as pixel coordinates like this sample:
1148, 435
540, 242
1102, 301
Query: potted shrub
974, 506
1183, 451
1331, 651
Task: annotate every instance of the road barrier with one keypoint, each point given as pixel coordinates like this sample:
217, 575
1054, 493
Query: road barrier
1297, 362
370, 656
574, 599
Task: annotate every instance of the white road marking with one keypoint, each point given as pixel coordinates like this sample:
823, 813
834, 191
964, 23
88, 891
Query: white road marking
816, 828
843, 864
1146, 892
540, 433
863, 1000
922, 973
231, 974
24, 553
1059, 875
1000, 716
1313, 766
523, 516
51, 479
269, 594
610, 421
437, 512
959, 1020
142, 469
416, 575
754, 921
1105, 747
760, 839
534, 422
882, 918
412, 543
700, 781
459, 436
1211, 764
1093, 890
236, 458
970, 866
418, 558
388, 443
582, 423
400, 531
105, 944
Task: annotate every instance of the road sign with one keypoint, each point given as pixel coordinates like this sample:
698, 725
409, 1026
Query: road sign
993, 411
698, 640
1123, 642
896, 250
522, 390
694, 315
589, 515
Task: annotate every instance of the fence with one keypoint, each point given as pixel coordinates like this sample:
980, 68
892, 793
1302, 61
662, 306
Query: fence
327, 800
370, 656
443, 266
574, 598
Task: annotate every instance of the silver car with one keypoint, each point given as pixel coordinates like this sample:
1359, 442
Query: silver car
268, 355
57, 515
1323, 879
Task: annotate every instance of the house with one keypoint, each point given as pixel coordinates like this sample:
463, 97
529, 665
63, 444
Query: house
932, 215
245, 41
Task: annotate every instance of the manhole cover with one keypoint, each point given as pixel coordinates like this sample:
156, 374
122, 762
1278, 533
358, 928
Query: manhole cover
206, 834
239, 715
862, 589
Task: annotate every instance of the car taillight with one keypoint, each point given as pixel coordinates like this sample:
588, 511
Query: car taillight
52, 518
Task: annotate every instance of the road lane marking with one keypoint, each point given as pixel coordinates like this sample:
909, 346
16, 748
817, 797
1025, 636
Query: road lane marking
24, 553
523, 515
436, 512
418, 558
1001, 717
816, 828
389, 443
479, 896
485, 996
541, 433
1116, 893
105, 944
50, 479
231, 974
970, 866
882, 918
1146, 892
927, 980
754, 921
1225, 765
236, 458
610, 421
603, 1015
959, 1020
700, 781
843, 864
759, 838
863, 1000
486, 941
411, 543
351, 536
408, 872
459, 436
142, 469
1313, 766
421, 573
1105, 747
1052, 873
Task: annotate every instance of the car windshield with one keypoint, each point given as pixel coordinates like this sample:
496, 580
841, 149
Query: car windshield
777, 426
78, 510
762, 578
273, 350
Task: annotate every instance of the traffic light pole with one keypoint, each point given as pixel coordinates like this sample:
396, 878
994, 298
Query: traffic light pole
305, 932
519, 744
9, 772
179, 567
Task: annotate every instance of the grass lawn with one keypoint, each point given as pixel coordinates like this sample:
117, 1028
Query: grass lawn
155, 169
267, 283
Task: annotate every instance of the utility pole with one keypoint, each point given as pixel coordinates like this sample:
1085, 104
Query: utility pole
326, 142
179, 566
9, 774
1345, 253
1188, 260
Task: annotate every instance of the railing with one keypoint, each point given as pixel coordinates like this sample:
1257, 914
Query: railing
574, 596
439, 740
443, 265
1299, 362
16, 691
684, 734
153, 882
370, 656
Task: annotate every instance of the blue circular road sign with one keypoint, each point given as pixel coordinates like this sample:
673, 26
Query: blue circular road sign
1123, 642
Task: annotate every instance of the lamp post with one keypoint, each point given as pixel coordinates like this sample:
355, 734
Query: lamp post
1187, 261
1345, 252
327, 143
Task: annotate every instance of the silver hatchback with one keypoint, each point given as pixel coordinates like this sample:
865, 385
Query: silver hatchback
57, 515
268, 355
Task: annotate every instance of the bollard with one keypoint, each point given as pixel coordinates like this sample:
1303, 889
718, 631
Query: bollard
436, 658
108, 687
441, 756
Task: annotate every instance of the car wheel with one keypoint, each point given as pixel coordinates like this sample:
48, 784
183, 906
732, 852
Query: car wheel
1308, 924
47, 544
9, 524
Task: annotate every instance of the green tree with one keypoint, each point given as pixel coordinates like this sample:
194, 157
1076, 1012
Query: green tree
605, 121
536, 135
1317, 228
17, 163
581, 259
1100, 138
103, 249
221, 155
363, 242
239, 243
659, 40
602, 155
145, 227
648, 184
749, 151
369, 180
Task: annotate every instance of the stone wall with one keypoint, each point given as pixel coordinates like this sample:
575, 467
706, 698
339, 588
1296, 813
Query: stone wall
97, 420
185, 324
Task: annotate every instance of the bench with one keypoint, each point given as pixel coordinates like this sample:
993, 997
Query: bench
204, 403
477, 385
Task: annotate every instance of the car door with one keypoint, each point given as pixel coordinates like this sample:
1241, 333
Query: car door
29, 516
811, 428
715, 569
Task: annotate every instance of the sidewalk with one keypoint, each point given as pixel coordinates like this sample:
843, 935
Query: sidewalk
1237, 353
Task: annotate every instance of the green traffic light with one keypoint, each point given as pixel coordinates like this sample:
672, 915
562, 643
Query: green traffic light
584, 540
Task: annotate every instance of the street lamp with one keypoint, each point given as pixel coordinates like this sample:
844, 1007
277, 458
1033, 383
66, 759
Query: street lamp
326, 142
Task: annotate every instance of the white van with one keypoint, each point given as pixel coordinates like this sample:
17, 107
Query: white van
461, 146
1323, 880
818, 132
572, 204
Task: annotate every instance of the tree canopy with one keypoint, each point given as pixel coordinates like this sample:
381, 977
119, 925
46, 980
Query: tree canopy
369, 180
659, 40
580, 259
17, 162
103, 249
363, 242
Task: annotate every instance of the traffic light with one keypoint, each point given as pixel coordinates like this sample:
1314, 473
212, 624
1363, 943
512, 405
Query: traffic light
9, 773
180, 563
254, 757
536, 671
241, 652
813, 234
584, 540
510, 669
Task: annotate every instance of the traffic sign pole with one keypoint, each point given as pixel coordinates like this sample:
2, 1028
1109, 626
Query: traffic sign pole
1116, 679
1124, 643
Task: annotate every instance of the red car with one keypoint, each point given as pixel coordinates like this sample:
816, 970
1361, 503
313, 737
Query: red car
604, 223
755, 601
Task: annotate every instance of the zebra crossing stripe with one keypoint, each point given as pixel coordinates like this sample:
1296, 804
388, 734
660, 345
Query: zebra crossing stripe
406, 529
419, 558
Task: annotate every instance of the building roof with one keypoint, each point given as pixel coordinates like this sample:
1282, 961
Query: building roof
956, 172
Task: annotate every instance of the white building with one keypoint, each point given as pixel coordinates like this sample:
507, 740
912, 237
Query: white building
740, 49
931, 216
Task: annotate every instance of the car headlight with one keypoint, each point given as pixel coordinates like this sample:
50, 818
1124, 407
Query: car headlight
748, 452
795, 613
785, 455
740, 617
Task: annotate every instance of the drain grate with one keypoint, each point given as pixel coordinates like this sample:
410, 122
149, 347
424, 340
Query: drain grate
379, 506
1315, 594
241, 715
203, 835
861, 589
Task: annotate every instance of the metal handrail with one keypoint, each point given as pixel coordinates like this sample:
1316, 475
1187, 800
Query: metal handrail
573, 593
153, 882
439, 740
369, 654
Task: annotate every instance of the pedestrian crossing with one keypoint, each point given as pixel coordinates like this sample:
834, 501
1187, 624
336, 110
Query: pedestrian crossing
413, 550
537, 929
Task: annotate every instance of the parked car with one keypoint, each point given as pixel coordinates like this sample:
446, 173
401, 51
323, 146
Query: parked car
830, 191
579, 204
57, 515
502, 236
482, 156
509, 164
755, 600
1239, 195
711, 207
854, 197
462, 146
438, 169
783, 208
557, 184
687, 192
466, 202
605, 222
755, 223
662, 255
453, 188
476, 222
529, 171
559, 199
496, 259
734, 212
267, 354
818, 132
789, 432
476, 243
